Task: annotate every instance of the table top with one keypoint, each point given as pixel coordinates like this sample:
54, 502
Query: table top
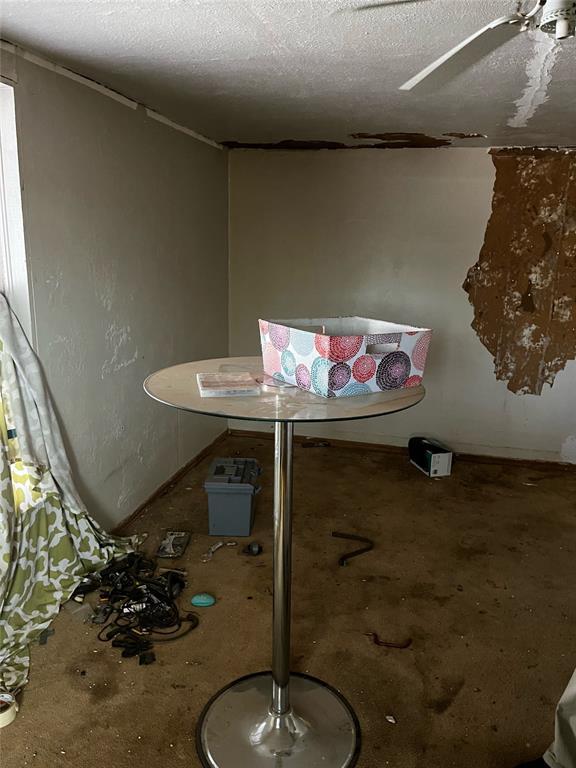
177, 386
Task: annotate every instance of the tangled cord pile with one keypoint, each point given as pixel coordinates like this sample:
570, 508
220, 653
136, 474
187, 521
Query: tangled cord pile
137, 608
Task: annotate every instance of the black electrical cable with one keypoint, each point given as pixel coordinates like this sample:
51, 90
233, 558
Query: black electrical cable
142, 607
193, 623
119, 627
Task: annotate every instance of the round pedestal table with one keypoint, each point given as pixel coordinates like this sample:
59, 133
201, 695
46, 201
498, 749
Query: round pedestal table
276, 719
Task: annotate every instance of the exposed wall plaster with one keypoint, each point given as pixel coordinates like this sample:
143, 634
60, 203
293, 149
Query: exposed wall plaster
286, 144
459, 135
404, 140
523, 287
118, 339
383, 141
539, 72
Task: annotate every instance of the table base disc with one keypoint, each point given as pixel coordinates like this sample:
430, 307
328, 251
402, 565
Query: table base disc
236, 729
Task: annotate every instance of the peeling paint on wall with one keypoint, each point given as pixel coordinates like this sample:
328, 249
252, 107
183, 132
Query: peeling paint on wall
523, 287
118, 338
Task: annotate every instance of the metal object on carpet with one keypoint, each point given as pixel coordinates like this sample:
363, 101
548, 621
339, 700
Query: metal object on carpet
253, 549
312, 443
207, 556
386, 643
271, 719
102, 613
238, 728
276, 719
343, 560
173, 544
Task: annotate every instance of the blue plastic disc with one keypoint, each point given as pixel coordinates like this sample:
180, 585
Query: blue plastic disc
203, 600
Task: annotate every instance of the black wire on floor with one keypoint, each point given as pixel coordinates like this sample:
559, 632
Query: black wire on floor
136, 608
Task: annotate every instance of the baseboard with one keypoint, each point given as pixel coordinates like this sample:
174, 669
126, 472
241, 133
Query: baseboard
171, 482
402, 451
351, 444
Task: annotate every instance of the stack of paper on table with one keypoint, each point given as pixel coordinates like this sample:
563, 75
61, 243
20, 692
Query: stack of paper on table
239, 384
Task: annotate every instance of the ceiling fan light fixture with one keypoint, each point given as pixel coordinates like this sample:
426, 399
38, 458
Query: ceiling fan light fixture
556, 17
559, 18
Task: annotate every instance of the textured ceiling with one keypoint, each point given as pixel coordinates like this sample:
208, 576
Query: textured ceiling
267, 70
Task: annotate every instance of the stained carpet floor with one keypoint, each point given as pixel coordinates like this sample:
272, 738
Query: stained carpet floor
478, 569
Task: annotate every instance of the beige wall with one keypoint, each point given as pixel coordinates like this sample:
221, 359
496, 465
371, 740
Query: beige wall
388, 234
126, 235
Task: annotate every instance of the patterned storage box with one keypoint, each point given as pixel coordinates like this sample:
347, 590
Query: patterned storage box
344, 356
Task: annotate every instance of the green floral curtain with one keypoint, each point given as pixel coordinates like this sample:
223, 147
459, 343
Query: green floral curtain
48, 542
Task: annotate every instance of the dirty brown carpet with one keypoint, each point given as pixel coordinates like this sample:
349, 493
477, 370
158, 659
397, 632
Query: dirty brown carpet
478, 569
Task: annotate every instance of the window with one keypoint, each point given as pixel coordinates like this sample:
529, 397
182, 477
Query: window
13, 267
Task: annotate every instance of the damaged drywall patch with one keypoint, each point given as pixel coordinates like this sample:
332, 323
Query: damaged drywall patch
403, 140
286, 144
118, 339
539, 73
458, 135
523, 287
382, 141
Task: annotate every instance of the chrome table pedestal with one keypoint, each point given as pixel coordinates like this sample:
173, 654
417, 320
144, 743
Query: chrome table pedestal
277, 719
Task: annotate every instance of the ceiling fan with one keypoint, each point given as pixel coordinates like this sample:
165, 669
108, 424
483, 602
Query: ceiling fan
556, 17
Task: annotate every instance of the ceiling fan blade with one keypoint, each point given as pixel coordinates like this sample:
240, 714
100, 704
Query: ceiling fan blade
376, 6
466, 53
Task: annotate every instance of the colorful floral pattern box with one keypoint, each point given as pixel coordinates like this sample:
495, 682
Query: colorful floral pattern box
344, 356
